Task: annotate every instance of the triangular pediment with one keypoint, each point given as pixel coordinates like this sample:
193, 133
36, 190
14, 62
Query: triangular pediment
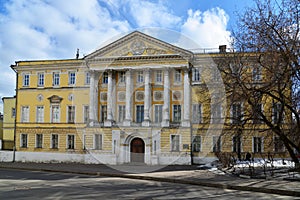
137, 44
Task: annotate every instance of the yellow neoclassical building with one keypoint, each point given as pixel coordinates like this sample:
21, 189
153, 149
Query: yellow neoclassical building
9, 113
138, 99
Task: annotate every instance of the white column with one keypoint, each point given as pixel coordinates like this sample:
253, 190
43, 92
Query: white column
108, 122
186, 99
128, 116
93, 107
166, 112
147, 89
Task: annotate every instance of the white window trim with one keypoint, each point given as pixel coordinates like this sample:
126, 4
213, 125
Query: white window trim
94, 141
262, 144
22, 139
86, 75
199, 71
36, 146
37, 116
59, 73
201, 110
59, 114
67, 114
120, 112
200, 142
233, 143
177, 82
69, 77
23, 79
67, 144
27, 115
38, 79
242, 111
179, 149
181, 113
156, 76
153, 112
51, 142
83, 113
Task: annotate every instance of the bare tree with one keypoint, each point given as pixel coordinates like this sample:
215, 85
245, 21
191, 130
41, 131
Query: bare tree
268, 35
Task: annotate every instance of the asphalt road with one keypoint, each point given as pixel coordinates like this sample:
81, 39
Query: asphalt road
18, 184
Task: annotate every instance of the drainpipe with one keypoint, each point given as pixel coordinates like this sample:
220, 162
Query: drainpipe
15, 123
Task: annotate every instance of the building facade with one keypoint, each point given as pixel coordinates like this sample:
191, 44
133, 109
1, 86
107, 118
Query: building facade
138, 100
9, 113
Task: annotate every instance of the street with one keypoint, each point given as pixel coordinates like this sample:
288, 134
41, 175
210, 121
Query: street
18, 184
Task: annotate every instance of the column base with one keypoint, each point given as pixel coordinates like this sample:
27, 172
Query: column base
165, 123
185, 123
146, 123
107, 123
127, 122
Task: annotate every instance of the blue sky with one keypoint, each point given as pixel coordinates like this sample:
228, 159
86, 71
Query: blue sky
54, 29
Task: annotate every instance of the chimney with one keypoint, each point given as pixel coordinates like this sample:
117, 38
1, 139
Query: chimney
77, 54
222, 48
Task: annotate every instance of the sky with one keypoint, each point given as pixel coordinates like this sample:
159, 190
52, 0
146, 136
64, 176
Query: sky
54, 29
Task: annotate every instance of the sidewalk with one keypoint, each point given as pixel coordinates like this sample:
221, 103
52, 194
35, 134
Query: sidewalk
174, 173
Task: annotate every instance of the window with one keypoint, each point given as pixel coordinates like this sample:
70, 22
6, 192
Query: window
139, 113
177, 75
105, 78
216, 113
236, 144
158, 113
13, 112
140, 77
216, 143
196, 144
98, 141
216, 76
175, 143
23, 140
71, 114
39, 114
54, 141
197, 113
25, 114
158, 77
71, 142
278, 145
122, 77
55, 114
87, 78
56, 79
257, 112
176, 113
39, 140
277, 113
26, 79
196, 75
86, 111
40, 79
103, 116
256, 74
257, 144
236, 113
121, 113
72, 78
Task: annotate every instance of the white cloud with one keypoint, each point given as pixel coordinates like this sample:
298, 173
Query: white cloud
207, 28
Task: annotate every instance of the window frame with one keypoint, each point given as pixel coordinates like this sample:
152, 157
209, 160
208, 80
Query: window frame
103, 113
140, 77
87, 78
86, 113
236, 119
177, 111
72, 78
40, 115
175, 147
52, 114
38, 140
98, 146
257, 147
26, 79
54, 141
159, 76
56, 79
216, 144
196, 113
196, 143
139, 113
40, 79
23, 140
121, 113
237, 144
122, 76
25, 114
196, 75
177, 76
71, 114
71, 141
158, 114
104, 78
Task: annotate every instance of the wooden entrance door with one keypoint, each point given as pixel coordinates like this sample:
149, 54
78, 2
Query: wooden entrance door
137, 150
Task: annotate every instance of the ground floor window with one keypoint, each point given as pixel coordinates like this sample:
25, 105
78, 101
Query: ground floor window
23, 140
196, 143
175, 142
216, 143
71, 142
39, 140
54, 141
98, 141
278, 145
257, 144
236, 144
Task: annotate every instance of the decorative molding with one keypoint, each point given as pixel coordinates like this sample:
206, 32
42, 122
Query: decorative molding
55, 99
121, 96
158, 95
139, 95
176, 95
71, 97
40, 97
103, 96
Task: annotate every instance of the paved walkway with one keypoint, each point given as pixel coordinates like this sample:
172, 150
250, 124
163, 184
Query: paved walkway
179, 174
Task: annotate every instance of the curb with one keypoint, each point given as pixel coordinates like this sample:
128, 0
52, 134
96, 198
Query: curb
170, 180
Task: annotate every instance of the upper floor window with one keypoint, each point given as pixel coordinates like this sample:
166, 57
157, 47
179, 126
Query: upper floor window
177, 75
103, 114
216, 114
72, 78
139, 113
277, 113
140, 77
40, 79
86, 114
236, 144
196, 75
158, 113
13, 112
175, 142
71, 114
25, 114
55, 114
216, 143
23, 140
40, 114
257, 111
122, 77
176, 113
105, 78
98, 141
256, 74
158, 77
196, 145
257, 144
87, 78
56, 79
197, 113
236, 113
26, 78
121, 113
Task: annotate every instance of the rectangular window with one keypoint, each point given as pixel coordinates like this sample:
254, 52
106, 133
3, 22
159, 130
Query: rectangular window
71, 142
40, 79
72, 78
54, 141
87, 78
39, 140
40, 114
26, 78
257, 112
278, 145
277, 113
216, 113
177, 75
197, 113
103, 116
216, 76
86, 112
13, 112
122, 77
236, 144
56, 79
105, 78
236, 113
158, 113
257, 144
216, 143
256, 74
55, 114
121, 113
176, 113
98, 141
25, 114
196, 144
158, 77
71, 114
23, 140
139, 113
140, 77
196, 75
175, 142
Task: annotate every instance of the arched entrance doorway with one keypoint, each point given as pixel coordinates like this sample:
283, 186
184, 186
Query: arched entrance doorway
137, 150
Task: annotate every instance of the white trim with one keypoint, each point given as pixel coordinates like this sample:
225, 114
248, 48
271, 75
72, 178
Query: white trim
94, 141
51, 142
179, 148
67, 144
67, 110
